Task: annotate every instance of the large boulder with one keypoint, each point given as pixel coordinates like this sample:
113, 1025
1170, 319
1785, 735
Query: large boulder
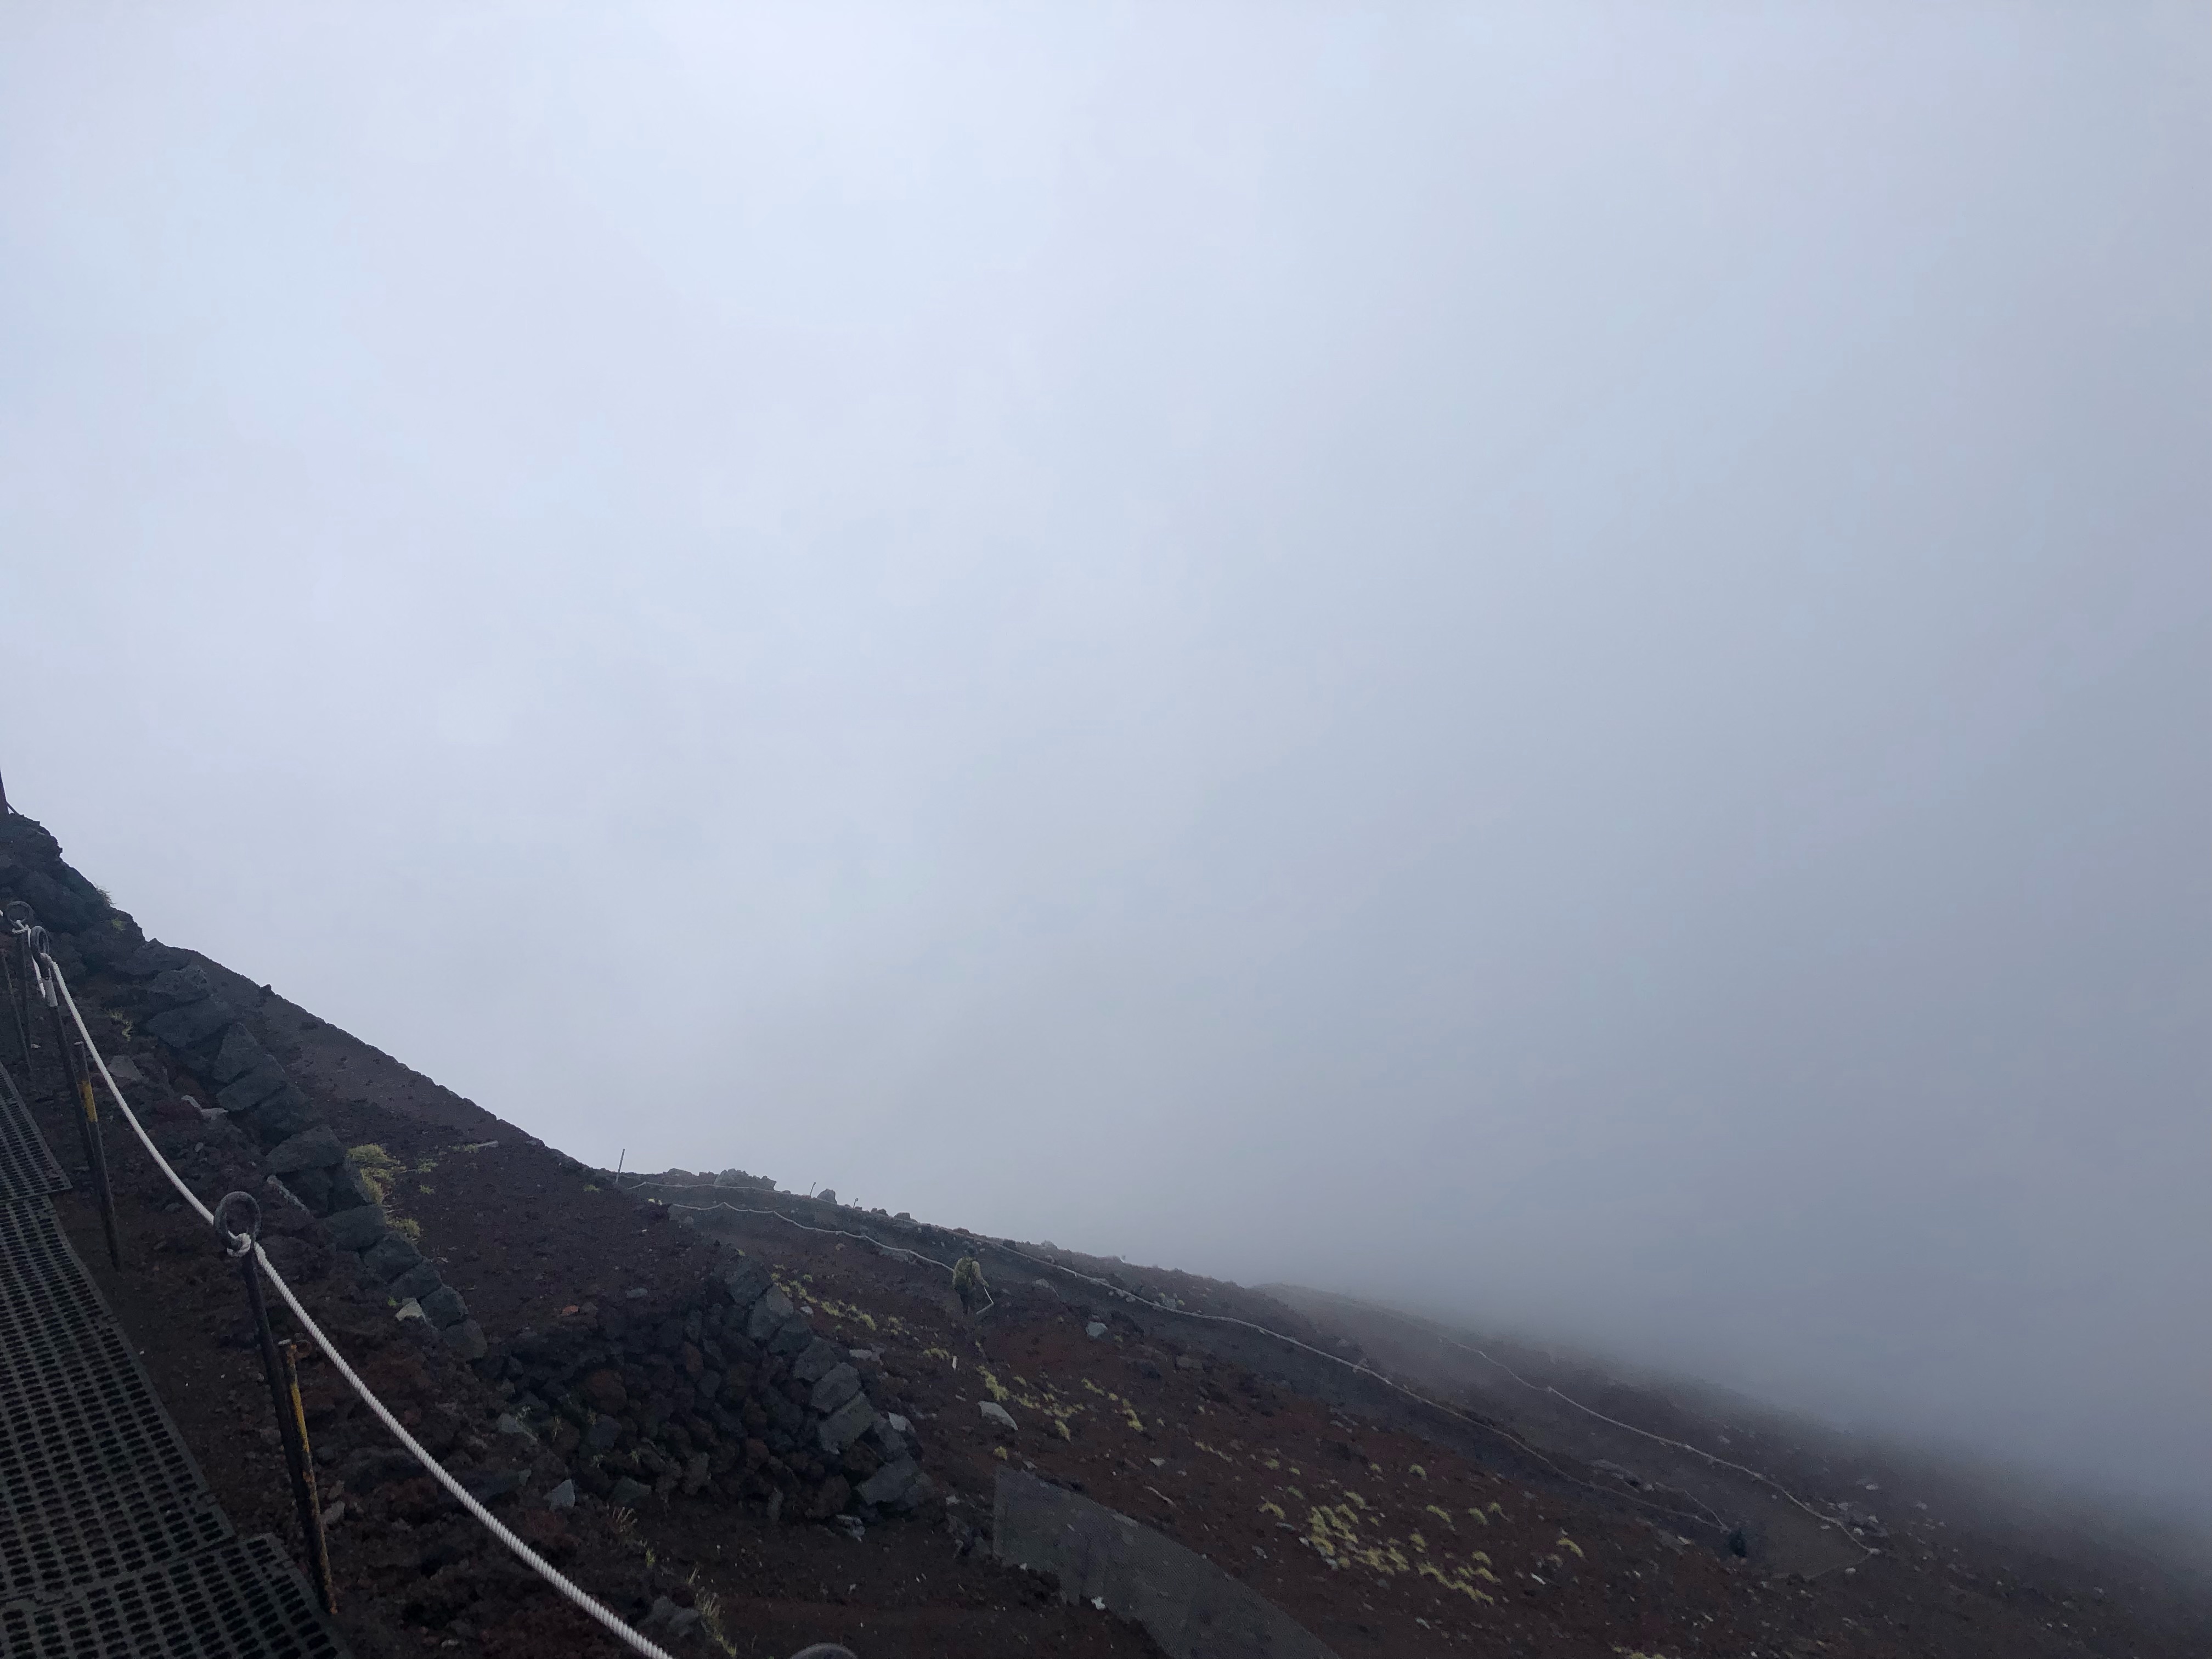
418, 1281
846, 1425
444, 1307
898, 1484
815, 1361
179, 986
149, 959
316, 1148
349, 1189
836, 1387
280, 1115
769, 1316
241, 1052
189, 1026
357, 1227
746, 1281
389, 1257
248, 1090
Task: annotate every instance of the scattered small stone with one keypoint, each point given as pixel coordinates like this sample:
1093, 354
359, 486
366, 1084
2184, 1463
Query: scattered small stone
1095, 1329
410, 1308
994, 1413
627, 1492
562, 1497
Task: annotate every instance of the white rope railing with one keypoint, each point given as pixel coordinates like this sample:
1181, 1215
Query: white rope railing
581, 1599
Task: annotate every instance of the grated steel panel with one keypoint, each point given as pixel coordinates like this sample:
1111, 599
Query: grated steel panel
95, 1483
27, 1169
240, 1599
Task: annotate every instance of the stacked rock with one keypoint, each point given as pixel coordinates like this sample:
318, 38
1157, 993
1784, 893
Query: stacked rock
389, 1259
732, 1389
205, 1033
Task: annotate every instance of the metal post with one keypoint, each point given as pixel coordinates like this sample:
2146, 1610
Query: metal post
15, 1008
319, 1545
78, 1075
18, 917
283, 1394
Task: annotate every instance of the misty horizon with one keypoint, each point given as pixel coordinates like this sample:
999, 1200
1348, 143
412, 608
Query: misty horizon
1545, 664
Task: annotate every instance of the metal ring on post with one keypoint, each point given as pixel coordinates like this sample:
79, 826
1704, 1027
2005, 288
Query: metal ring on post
235, 1245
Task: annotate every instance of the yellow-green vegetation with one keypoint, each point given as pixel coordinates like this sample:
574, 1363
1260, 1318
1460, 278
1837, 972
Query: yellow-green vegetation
407, 1228
1046, 1403
378, 1168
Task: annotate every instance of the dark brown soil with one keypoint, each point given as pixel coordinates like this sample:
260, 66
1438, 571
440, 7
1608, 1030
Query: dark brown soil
1381, 1537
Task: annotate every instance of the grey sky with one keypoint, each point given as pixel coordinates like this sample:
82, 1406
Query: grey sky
1547, 660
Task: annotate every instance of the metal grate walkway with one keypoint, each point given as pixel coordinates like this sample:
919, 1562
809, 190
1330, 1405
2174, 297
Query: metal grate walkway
111, 1543
27, 1169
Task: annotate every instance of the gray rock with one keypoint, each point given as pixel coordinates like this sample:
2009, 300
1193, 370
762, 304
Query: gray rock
794, 1335
627, 1494
240, 1052
467, 1339
767, 1315
311, 1149
125, 1073
179, 988
603, 1433
310, 1189
249, 1089
782, 1412
890, 1482
838, 1385
389, 1257
562, 1497
349, 1190
695, 1472
1095, 1329
509, 1424
994, 1413
815, 1361
149, 959
746, 1281
418, 1281
410, 1308
281, 1113
893, 1440
846, 1425
444, 1307
828, 1195
358, 1227
190, 1026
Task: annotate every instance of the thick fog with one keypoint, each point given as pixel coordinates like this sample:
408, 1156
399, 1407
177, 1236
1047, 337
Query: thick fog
1550, 661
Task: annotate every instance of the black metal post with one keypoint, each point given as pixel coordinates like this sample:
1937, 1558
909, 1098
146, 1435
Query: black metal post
16, 1009
283, 1394
319, 1544
21, 984
76, 1075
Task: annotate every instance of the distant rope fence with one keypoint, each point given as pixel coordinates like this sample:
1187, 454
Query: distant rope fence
1705, 1517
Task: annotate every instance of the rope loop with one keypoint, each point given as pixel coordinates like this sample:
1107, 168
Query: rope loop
235, 1245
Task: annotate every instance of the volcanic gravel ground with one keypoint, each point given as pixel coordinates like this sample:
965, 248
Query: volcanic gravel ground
1373, 1536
